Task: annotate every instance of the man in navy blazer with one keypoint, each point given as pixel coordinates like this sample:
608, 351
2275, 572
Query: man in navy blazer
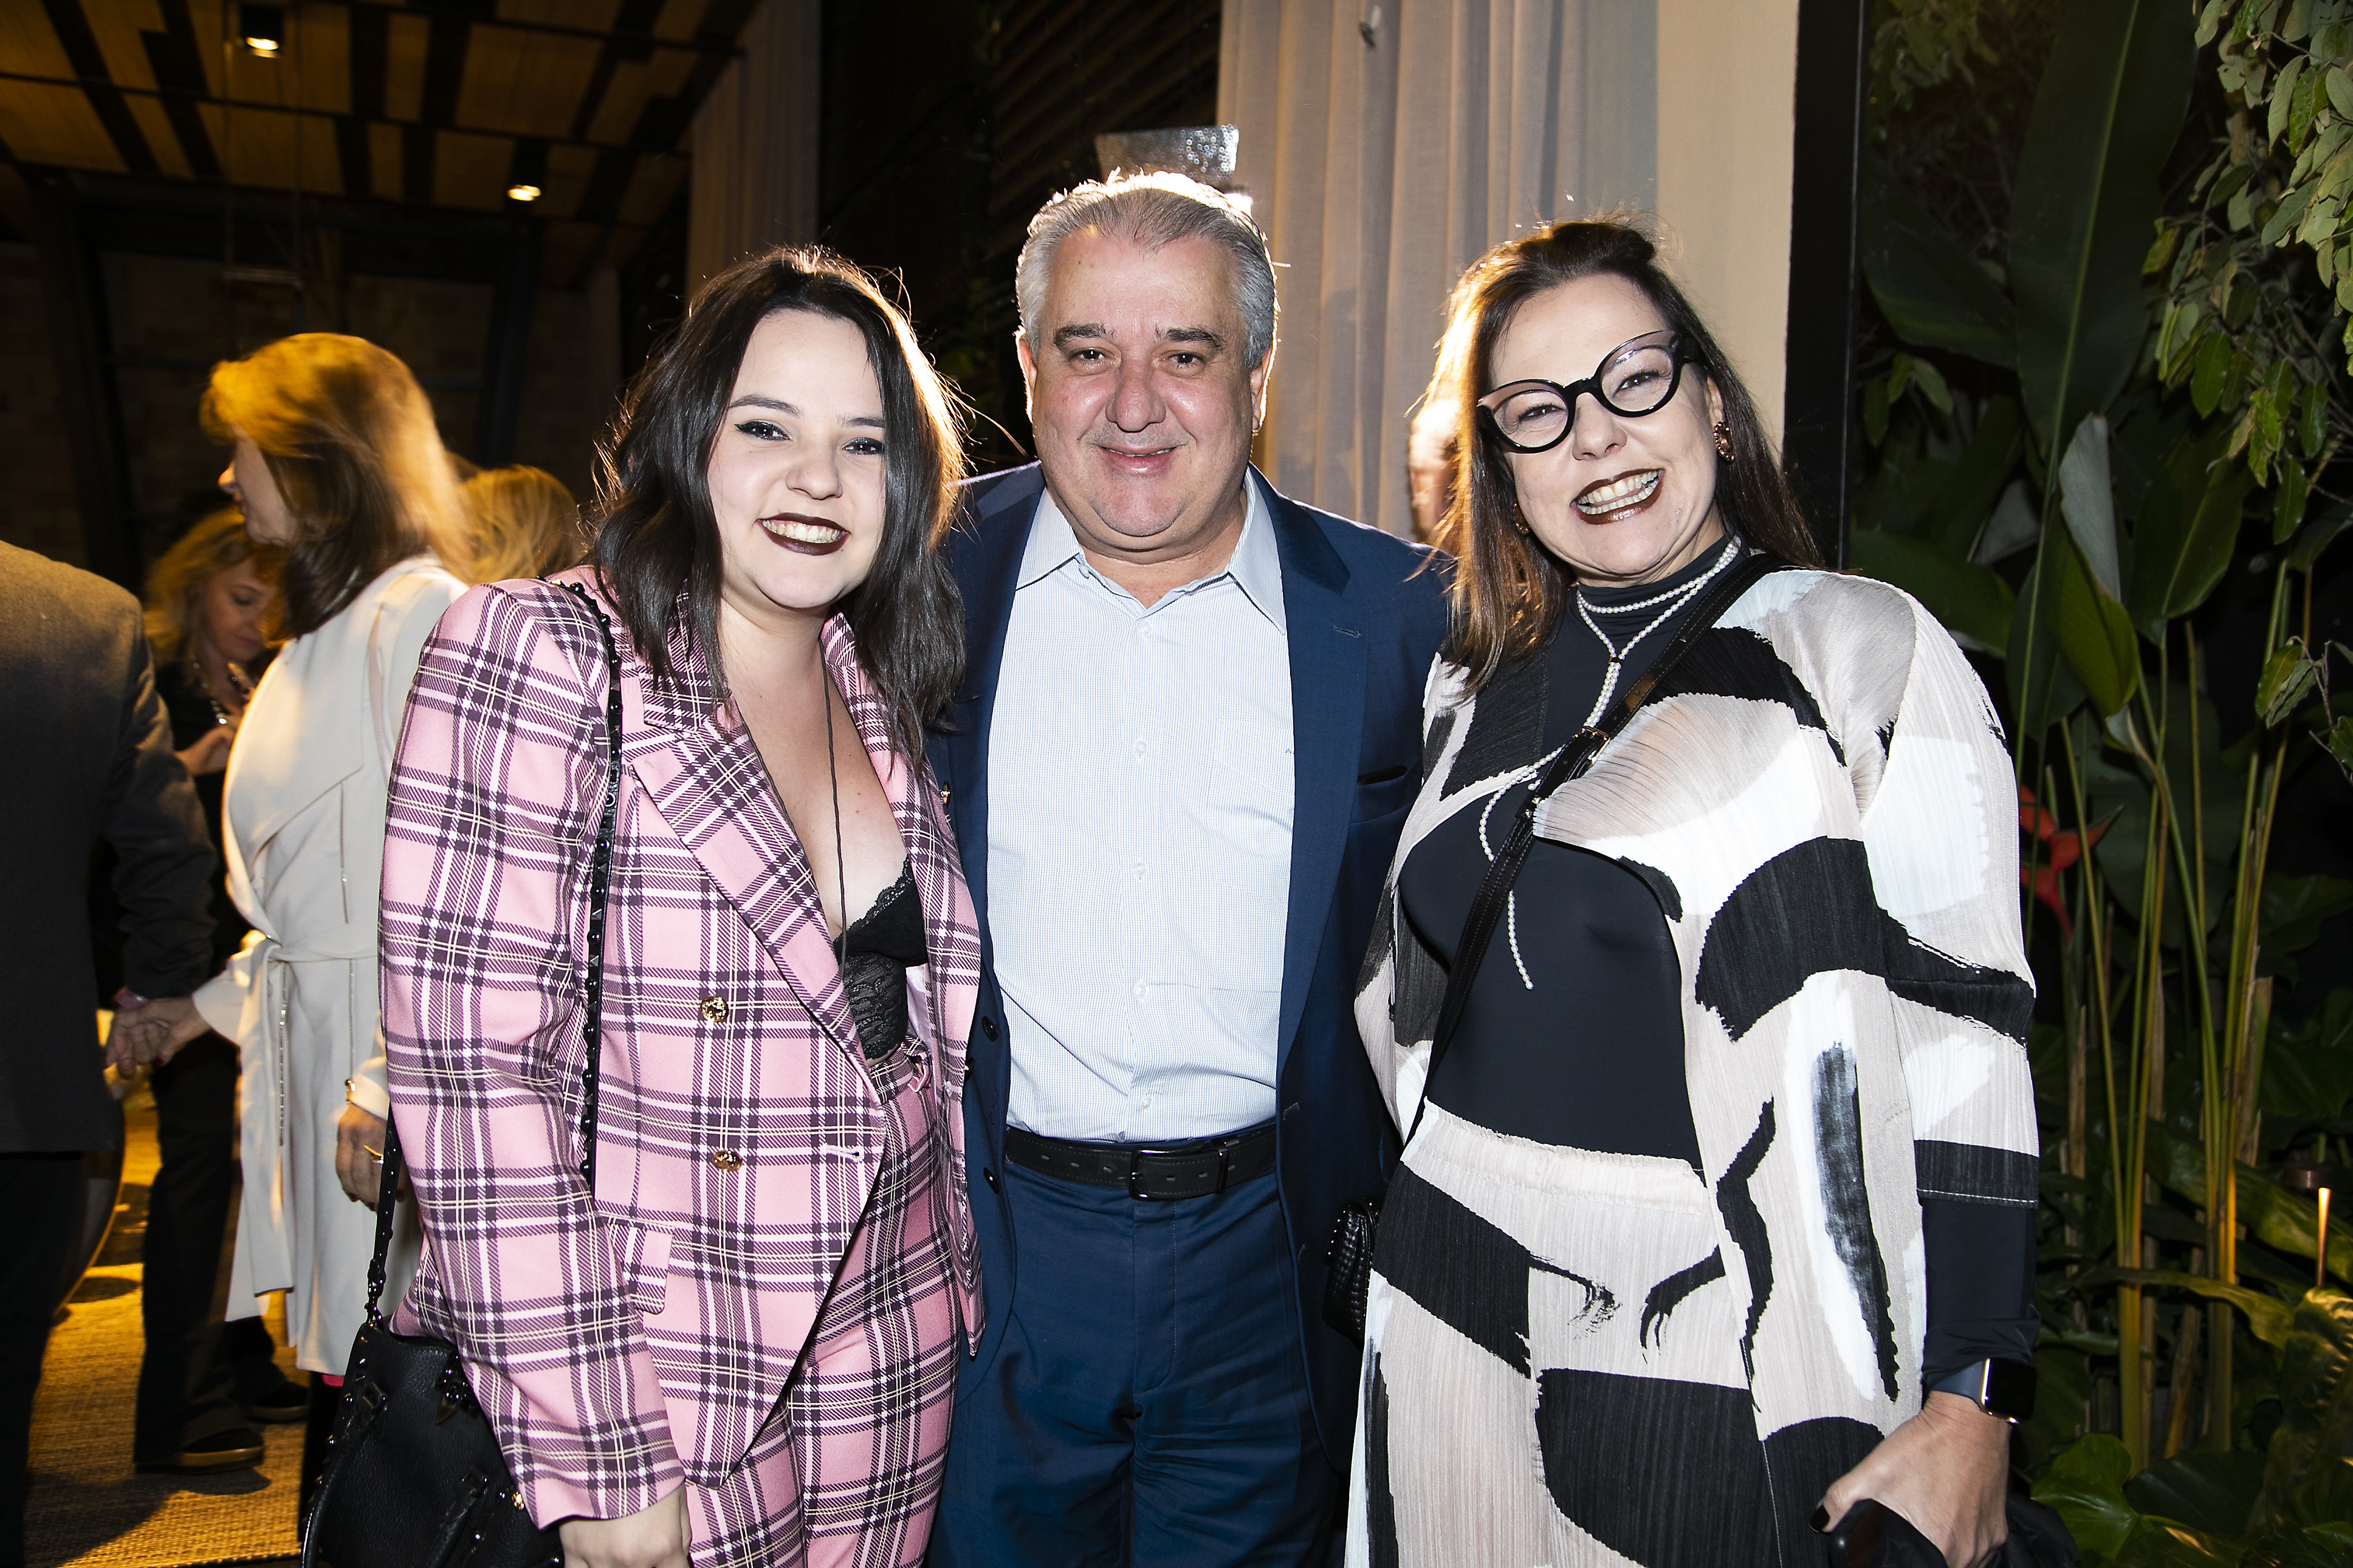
1187, 739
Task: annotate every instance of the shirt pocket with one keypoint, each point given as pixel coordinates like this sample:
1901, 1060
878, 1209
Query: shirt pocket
1250, 771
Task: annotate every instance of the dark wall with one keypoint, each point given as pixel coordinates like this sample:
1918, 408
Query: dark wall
947, 123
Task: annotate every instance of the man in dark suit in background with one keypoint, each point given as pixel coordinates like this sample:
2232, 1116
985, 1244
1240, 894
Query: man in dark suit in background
1188, 737
89, 757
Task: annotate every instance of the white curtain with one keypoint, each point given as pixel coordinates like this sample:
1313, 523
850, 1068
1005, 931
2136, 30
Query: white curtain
1384, 149
755, 142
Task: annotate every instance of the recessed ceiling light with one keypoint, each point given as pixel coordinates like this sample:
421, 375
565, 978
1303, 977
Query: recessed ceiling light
522, 193
263, 29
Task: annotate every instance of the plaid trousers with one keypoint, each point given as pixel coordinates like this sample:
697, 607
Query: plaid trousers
846, 1472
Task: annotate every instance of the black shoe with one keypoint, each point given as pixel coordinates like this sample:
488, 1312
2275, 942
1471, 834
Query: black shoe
239, 1449
290, 1401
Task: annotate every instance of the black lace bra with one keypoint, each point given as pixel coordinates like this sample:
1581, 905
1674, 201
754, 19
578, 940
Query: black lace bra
877, 949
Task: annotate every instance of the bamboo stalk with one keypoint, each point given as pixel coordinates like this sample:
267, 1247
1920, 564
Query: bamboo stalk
2185, 1376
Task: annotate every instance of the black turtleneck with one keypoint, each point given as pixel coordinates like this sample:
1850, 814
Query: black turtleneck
1591, 938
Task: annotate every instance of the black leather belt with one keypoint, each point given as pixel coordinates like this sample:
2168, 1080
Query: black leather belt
1160, 1174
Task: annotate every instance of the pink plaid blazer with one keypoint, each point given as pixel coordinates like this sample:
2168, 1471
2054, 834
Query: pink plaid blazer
623, 1345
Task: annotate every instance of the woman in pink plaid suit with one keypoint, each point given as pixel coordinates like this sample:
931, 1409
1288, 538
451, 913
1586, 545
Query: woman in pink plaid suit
739, 1348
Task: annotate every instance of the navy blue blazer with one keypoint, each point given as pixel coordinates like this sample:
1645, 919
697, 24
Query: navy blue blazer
1366, 613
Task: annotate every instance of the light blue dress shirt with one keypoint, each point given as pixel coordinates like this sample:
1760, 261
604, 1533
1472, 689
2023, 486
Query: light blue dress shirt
1139, 841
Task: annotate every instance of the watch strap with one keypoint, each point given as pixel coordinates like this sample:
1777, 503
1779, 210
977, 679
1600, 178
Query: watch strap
1997, 1385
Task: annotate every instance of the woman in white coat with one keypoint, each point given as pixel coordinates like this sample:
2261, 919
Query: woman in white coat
337, 461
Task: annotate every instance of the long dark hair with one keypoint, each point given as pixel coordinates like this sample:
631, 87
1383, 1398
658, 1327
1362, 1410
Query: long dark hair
1509, 591
657, 540
352, 449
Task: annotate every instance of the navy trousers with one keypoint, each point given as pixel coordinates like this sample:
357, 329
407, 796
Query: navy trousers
1146, 1403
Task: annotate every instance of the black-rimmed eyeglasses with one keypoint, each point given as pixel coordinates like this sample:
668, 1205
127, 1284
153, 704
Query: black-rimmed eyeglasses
1638, 376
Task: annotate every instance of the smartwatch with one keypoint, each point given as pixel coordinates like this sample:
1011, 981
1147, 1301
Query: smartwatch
1995, 1386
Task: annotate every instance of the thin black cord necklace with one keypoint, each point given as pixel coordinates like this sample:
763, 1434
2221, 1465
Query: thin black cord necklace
833, 781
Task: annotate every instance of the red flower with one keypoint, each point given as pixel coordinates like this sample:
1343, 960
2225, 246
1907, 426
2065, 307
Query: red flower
2059, 850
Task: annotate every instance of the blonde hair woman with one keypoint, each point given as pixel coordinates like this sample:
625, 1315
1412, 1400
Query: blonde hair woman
336, 462
210, 616
522, 521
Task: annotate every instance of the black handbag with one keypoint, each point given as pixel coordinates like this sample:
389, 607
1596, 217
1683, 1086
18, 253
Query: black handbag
1348, 1253
414, 1475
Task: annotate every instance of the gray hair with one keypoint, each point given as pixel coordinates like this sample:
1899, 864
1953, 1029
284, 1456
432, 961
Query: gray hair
1153, 210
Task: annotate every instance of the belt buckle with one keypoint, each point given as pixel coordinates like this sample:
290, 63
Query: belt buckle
1136, 1158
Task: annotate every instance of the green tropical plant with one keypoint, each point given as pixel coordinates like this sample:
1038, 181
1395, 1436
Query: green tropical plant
2072, 437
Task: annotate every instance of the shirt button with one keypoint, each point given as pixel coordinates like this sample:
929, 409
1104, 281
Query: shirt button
713, 1009
1139, 748
1139, 870
1140, 989
726, 1160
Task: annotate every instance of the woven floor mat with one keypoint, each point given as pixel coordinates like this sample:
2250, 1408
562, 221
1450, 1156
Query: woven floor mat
86, 1507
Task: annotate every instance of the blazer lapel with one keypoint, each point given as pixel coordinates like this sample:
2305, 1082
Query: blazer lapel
709, 784
987, 556
1327, 680
947, 984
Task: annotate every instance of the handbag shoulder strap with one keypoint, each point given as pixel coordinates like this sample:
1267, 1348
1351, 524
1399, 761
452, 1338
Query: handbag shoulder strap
600, 872
1574, 759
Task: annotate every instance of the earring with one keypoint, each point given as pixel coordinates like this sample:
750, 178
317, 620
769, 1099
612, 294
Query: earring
1724, 441
1518, 521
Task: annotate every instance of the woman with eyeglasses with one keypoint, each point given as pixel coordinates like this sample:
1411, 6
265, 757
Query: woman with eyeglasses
1719, 1215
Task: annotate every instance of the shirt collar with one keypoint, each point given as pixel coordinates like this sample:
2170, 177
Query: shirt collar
1256, 566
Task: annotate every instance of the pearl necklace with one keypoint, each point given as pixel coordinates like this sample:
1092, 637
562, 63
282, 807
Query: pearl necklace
1673, 599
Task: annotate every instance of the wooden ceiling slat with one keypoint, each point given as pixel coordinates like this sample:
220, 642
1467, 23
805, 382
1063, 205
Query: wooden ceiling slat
404, 53
429, 102
651, 186
623, 101
635, 16
354, 156
444, 67
177, 61
116, 27
28, 42
591, 15
56, 125
383, 160
89, 63
171, 161
524, 83
470, 171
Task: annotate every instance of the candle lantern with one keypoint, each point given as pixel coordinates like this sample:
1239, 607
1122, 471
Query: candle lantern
2304, 1176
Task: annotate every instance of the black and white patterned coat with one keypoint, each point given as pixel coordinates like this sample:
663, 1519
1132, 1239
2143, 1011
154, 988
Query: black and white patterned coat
1821, 797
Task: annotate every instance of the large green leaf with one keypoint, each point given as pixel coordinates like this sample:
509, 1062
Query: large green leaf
2267, 1316
2062, 1388
2308, 1067
2090, 504
1957, 513
1972, 601
2085, 1488
2106, 114
2212, 1492
2094, 631
2294, 907
2319, 528
1929, 289
2288, 1222
2188, 523
2161, 1543
2042, 690
2315, 1384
